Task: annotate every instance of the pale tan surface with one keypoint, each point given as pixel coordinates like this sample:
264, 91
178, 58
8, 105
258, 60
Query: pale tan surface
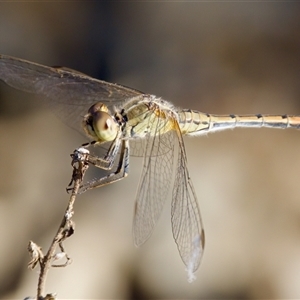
213, 57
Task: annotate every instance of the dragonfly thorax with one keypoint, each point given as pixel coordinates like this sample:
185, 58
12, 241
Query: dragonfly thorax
99, 124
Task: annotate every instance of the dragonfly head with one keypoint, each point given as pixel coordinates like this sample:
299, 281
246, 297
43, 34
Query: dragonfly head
99, 124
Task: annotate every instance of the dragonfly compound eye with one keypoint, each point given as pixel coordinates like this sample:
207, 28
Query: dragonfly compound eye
99, 106
104, 126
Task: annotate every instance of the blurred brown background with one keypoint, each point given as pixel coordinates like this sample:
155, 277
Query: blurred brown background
221, 58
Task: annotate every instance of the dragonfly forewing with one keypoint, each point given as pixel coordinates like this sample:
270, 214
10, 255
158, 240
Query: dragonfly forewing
187, 225
154, 183
68, 93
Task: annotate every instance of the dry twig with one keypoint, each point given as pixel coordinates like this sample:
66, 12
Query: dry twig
65, 230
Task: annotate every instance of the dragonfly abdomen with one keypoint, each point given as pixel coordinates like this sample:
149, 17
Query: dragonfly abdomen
195, 123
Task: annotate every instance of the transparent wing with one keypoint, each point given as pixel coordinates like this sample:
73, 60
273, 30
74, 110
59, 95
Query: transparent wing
68, 93
186, 219
138, 146
154, 183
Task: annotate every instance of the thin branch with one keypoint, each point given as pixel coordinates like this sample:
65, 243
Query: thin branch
66, 228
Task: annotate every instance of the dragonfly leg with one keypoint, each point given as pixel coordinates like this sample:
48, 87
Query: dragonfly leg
120, 173
107, 162
112, 153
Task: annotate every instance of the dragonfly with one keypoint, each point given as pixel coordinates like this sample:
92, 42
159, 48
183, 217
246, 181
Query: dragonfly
129, 122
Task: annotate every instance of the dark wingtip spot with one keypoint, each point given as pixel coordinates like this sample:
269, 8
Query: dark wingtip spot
259, 116
202, 238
